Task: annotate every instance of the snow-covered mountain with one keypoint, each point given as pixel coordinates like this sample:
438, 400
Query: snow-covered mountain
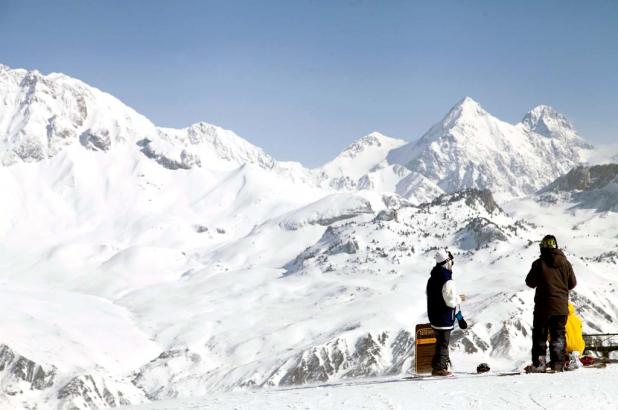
140, 263
363, 166
546, 121
591, 187
42, 114
470, 148
205, 144
362, 157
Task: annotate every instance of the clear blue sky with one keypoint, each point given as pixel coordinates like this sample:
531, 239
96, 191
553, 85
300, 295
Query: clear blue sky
303, 79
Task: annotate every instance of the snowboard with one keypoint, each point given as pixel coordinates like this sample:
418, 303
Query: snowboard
461, 375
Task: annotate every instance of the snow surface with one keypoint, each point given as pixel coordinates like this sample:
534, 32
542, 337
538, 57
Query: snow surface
140, 263
582, 389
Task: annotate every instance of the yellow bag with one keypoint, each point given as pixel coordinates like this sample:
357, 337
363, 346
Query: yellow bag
574, 339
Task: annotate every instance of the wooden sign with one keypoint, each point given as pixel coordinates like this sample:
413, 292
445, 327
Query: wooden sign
424, 348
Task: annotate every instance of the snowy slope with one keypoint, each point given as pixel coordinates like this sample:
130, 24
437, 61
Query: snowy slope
585, 389
140, 263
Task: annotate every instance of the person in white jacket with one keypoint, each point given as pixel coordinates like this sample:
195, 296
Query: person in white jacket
442, 303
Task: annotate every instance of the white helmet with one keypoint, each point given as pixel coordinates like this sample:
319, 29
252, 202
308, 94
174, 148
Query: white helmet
441, 255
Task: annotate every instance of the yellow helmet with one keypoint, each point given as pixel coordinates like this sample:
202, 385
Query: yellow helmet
549, 241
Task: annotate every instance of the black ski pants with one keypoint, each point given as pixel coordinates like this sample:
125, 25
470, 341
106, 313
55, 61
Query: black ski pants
554, 326
441, 359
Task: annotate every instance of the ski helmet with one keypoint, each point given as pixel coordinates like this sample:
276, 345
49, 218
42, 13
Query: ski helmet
549, 241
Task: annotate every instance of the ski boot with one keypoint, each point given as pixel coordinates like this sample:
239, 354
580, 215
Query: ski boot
441, 372
540, 368
573, 363
556, 367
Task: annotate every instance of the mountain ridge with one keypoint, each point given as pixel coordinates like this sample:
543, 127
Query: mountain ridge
469, 148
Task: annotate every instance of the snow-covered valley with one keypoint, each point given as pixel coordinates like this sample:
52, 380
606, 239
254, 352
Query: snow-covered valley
140, 263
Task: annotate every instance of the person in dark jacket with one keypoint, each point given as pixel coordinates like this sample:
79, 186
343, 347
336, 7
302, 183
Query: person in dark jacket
552, 276
442, 299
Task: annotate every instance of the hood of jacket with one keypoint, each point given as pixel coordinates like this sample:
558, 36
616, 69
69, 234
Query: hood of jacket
552, 257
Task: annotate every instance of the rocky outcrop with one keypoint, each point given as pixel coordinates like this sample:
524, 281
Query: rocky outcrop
18, 373
369, 356
594, 187
478, 233
386, 215
164, 367
584, 178
91, 391
503, 341
468, 341
331, 243
96, 141
29, 150
605, 257
27, 384
473, 198
170, 160
326, 211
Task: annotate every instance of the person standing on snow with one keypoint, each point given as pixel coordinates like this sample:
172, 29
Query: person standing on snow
442, 300
575, 344
553, 277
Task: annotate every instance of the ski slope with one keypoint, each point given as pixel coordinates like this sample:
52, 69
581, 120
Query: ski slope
581, 389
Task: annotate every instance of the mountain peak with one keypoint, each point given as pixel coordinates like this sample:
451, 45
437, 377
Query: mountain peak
374, 140
376, 135
468, 102
359, 158
545, 120
204, 127
466, 108
470, 148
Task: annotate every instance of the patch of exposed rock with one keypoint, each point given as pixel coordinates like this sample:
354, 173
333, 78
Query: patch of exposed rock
472, 198
369, 356
18, 373
184, 160
91, 391
584, 178
478, 233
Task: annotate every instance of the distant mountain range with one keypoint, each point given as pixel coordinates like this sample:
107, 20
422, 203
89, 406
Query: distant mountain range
468, 148
140, 263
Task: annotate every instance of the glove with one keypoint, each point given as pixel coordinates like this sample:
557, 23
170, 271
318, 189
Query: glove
461, 321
